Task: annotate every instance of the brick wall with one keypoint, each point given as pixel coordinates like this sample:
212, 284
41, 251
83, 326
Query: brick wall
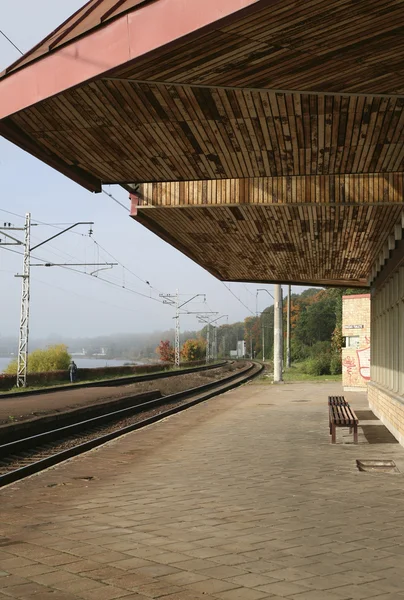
386, 390
389, 408
356, 324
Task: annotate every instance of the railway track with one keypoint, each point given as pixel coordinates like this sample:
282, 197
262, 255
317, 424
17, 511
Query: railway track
24, 457
115, 382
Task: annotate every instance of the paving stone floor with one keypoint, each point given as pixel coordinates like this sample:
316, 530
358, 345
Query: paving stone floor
239, 498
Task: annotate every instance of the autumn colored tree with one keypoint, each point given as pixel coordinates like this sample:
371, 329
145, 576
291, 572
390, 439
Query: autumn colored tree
193, 349
166, 351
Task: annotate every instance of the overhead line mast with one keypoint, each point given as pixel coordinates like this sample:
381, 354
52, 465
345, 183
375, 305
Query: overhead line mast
22, 360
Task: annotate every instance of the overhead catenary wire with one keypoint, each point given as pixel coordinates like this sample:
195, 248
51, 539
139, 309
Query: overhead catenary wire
98, 246
94, 276
237, 298
37, 222
11, 42
145, 281
115, 200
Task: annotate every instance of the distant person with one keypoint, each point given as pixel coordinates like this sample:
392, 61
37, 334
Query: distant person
73, 371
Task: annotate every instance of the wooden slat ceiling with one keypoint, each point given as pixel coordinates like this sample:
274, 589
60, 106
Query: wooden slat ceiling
271, 146
315, 244
123, 132
337, 46
357, 190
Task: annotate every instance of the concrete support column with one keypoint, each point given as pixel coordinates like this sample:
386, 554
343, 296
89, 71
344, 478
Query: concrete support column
278, 337
288, 329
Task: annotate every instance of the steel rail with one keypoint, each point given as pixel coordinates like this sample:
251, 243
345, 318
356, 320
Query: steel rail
113, 382
32, 443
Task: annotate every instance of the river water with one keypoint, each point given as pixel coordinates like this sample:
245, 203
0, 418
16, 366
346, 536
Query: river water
81, 362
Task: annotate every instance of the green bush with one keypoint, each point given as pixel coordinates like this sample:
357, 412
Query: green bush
336, 364
54, 358
319, 365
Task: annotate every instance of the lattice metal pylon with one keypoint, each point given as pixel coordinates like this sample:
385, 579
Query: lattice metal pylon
208, 344
177, 329
24, 318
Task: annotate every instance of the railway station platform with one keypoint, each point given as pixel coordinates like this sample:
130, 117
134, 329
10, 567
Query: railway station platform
239, 498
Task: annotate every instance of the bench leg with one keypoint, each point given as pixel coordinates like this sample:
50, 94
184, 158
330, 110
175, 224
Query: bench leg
355, 433
333, 433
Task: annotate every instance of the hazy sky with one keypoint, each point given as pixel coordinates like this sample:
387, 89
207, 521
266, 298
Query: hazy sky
70, 303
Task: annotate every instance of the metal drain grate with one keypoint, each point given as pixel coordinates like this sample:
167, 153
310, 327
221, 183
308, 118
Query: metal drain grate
377, 466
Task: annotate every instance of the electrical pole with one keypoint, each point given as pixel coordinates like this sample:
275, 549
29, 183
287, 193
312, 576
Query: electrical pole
22, 360
262, 317
278, 334
177, 330
24, 311
288, 328
174, 299
203, 319
263, 339
208, 344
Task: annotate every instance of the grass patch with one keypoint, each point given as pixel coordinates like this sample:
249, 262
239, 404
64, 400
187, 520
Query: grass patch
296, 374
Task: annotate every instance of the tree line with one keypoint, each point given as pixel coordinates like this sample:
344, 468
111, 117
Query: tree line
316, 332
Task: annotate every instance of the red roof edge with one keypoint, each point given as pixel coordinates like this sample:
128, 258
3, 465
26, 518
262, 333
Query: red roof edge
15, 64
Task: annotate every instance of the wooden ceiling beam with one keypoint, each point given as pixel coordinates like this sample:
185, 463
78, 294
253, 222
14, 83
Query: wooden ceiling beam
245, 88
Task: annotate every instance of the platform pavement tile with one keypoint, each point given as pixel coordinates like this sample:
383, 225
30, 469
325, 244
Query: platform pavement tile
75, 587
83, 551
187, 595
132, 562
61, 558
102, 572
120, 546
36, 569
156, 570
149, 552
171, 558
136, 596
233, 560
192, 564
24, 590
105, 592
252, 580
156, 589
392, 583
170, 546
283, 588
47, 595
29, 550
317, 595
9, 564
81, 566
242, 594
182, 578
108, 557
54, 577
259, 566
12, 580
213, 461
129, 581
211, 586
349, 578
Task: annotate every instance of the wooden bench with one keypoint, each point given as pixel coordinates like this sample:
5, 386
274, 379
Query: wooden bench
341, 415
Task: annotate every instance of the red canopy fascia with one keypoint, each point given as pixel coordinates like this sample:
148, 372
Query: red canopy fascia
144, 30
